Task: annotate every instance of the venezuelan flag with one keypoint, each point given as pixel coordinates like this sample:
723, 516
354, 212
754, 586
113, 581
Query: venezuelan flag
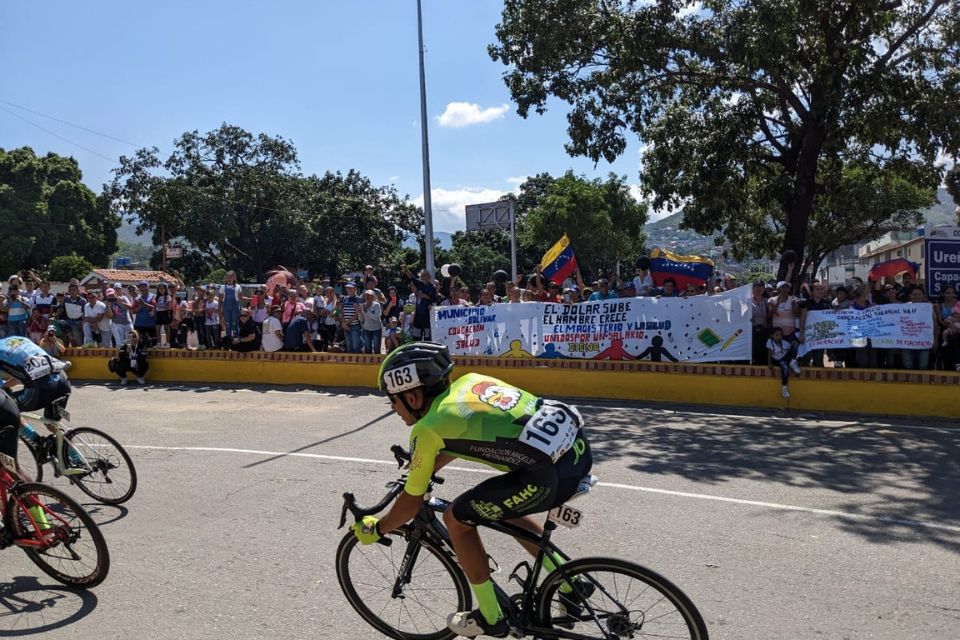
559, 262
683, 269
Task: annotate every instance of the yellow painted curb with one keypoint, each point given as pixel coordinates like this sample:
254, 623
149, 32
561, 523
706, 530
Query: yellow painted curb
934, 394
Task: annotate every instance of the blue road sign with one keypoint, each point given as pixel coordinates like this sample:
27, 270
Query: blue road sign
941, 264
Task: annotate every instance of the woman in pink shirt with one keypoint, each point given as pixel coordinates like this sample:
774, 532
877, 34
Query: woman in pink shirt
292, 308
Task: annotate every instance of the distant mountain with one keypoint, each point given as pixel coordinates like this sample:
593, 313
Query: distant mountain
127, 232
943, 212
445, 238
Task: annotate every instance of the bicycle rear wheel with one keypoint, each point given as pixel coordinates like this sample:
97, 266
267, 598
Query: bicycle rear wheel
113, 479
617, 599
436, 587
73, 550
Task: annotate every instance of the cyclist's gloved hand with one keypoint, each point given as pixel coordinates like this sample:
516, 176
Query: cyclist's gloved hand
367, 530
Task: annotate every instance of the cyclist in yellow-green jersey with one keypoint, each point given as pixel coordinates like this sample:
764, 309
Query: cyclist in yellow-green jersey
537, 443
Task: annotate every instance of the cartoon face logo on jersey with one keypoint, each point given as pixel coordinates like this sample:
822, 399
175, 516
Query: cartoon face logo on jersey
503, 398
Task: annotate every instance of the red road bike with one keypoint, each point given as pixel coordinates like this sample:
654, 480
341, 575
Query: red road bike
52, 529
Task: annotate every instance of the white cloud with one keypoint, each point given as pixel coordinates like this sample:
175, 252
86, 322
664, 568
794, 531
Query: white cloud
690, 9
464, 114
449, 204
393, 178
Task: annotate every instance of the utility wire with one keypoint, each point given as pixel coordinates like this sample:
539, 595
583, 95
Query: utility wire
70, 124
57, 135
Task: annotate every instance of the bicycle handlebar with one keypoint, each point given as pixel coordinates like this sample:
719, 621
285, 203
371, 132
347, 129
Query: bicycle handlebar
358, 511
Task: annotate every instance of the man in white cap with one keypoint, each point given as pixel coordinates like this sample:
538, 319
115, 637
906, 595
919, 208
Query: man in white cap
371, 322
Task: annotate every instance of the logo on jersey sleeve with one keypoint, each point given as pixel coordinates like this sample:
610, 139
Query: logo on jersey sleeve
500, 397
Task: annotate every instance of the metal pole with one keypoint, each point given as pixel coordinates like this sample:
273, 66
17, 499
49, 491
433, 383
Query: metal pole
427, 205
513, 241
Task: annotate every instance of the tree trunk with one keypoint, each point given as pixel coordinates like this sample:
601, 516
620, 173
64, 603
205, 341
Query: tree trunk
801, 208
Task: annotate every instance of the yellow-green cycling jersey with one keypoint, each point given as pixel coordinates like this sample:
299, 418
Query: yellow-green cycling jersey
477, 418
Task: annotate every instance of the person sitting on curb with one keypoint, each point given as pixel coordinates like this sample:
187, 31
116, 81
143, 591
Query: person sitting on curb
132, 358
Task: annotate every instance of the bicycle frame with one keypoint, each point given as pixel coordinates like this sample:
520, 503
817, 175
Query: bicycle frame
37, 540
56, 428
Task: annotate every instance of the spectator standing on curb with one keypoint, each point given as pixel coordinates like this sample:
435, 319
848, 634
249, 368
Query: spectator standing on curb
163, 312
426, 297
761, 323
950, 349
371, 322
292, 307
231, 295
43, 301
73, 305
144, 319
93, 312
669, 289
643, 281
211, 319
816, 302
118, 312
198, 308
885, 294
272, 331
17, 312
326, 309
784, 312
350, 319
782, 355
603, 292
918, 359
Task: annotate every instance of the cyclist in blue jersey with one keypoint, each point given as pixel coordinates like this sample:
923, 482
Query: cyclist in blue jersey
43, 379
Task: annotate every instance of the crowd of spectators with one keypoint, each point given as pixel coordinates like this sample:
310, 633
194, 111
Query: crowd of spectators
778, 310
358, 316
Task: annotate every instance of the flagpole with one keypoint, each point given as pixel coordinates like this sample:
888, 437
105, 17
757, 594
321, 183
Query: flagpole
427, 204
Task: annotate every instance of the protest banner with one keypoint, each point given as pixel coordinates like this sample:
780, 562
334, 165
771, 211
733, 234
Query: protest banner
697, 329
887, 326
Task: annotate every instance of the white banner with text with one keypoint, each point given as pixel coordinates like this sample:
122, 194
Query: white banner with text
697, 329
887, 326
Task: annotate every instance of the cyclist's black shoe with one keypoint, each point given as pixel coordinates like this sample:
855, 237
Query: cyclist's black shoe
471, 624
573, 602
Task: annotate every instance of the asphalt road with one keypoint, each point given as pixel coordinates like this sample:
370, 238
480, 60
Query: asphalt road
777, 526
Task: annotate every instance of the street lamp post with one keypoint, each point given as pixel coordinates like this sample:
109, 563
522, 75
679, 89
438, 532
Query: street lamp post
427, 205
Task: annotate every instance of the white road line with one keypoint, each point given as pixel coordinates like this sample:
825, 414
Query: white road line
615, 485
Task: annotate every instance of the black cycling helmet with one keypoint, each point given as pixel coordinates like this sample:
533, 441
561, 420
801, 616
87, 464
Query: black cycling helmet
414, 365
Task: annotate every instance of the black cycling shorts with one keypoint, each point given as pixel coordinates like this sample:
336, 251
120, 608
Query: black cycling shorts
9, 425
525, 491
40, 394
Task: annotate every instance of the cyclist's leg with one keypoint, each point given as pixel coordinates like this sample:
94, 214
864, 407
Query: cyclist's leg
505, 497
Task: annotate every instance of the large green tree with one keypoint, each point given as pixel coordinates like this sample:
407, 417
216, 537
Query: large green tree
238, 201
46, 211
759, 116
602, 219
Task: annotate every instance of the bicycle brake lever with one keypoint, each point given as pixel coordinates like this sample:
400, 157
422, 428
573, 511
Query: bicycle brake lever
347, 501
400, 455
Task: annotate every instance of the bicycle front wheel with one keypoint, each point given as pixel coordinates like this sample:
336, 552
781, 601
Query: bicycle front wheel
412, 606
58, 535
112, 478
609, 598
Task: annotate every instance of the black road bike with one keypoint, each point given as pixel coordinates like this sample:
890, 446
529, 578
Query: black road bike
407, 584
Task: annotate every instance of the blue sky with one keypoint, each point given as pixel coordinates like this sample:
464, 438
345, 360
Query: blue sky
337, 78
